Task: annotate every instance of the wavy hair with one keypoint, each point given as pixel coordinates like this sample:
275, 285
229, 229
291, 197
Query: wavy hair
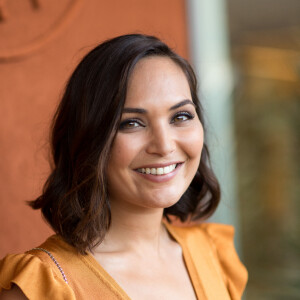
75, 199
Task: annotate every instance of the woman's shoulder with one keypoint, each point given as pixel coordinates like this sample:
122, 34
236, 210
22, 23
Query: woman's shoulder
35, 273
218, 239
216, 234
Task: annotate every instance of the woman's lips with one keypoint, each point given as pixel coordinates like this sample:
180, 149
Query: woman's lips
159, 173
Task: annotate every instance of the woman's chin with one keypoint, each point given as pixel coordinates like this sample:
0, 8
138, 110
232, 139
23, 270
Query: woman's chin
161, 201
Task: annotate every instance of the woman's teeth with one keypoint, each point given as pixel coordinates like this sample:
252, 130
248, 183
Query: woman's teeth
158, 171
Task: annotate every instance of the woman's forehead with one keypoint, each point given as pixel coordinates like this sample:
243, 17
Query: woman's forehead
157, 80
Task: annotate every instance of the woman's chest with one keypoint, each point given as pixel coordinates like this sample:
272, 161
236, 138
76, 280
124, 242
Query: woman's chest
144, 282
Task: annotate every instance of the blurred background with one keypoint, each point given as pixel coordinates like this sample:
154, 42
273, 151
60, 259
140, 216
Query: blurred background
246, 54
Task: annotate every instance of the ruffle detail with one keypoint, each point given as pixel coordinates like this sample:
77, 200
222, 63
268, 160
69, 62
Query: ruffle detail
234, 273
34, 277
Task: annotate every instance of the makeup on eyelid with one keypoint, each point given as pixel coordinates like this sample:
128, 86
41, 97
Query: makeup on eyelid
188, 115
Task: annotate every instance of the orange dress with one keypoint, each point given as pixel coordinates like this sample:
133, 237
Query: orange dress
212, 263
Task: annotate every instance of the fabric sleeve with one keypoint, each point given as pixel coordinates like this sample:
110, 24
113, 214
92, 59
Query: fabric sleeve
234, 272
34, 277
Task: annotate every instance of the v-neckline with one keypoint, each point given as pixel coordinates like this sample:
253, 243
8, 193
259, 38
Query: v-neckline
103, 275
189, 263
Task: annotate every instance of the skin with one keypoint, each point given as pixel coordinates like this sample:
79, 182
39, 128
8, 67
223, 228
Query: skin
160, 135
14, 293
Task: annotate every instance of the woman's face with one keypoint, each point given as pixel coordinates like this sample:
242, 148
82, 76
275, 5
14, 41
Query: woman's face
157, 149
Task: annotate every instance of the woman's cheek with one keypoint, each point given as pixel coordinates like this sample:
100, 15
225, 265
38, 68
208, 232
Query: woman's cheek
124, 149
192, 139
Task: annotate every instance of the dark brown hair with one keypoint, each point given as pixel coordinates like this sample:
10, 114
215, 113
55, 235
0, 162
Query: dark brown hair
75, 200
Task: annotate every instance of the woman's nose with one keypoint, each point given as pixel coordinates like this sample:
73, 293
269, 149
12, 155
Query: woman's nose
161, 141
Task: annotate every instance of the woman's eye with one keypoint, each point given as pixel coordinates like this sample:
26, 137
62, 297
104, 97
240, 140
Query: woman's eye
130, 124
181, 117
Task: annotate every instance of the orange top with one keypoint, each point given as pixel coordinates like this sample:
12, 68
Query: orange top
212, 263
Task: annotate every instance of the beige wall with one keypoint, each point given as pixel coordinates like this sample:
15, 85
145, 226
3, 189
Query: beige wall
40, 43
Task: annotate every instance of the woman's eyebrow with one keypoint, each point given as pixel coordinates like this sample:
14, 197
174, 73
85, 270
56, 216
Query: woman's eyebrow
134, 110
144, 111
182, 103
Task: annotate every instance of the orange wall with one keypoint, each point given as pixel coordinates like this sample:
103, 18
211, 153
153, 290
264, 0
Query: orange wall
39, 47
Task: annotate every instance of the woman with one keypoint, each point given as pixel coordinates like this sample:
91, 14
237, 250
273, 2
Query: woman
129, 156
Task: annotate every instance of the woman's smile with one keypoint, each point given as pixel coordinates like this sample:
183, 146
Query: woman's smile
161, 173
159, 169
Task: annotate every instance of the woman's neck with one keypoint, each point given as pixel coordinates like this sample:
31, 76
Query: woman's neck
135, 229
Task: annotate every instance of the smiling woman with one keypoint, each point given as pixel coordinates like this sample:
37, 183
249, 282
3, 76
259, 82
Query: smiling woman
157, 150
129, 153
